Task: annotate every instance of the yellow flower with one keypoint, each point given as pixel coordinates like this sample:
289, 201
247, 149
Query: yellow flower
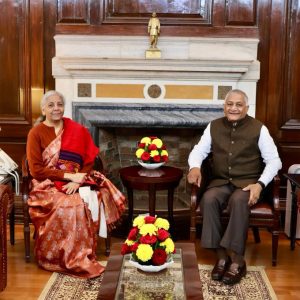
169, 244
139, 221
157, 142
162, 223
164, 152
139, 152
148, 229
145, 140
129, 242
154, 153
144, 252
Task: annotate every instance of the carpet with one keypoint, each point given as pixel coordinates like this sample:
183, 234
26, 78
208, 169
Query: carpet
255, 285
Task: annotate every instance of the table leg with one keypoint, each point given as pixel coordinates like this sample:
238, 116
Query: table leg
130, 206
152, 200
294, 213
170, 208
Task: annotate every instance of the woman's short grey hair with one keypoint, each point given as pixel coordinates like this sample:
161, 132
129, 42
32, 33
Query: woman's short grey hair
49, 94
240, 92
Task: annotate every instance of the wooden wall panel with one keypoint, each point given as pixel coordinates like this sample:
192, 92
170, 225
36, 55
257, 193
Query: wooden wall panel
291, 116
242, 13
73, 11
10, 48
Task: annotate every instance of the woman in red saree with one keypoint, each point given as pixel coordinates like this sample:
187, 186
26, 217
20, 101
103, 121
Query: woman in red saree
61, 155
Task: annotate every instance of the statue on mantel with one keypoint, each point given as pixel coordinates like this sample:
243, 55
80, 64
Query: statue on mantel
154, 31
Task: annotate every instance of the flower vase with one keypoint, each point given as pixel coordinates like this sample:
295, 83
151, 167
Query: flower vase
151, 166
150, 268
151, 170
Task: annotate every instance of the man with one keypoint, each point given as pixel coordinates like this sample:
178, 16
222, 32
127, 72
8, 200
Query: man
245, 160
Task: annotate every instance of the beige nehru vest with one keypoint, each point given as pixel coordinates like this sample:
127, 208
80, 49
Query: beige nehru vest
236, 155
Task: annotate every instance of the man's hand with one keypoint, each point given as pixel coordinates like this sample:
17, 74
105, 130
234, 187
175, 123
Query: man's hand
70, 188
194, 176
255, 190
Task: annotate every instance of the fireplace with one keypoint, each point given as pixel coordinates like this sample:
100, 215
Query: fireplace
120, 96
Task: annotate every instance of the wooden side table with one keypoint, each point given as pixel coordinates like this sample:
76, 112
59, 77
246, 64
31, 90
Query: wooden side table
169, 180
6, 199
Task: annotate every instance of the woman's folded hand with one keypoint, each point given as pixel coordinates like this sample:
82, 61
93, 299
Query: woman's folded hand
71, 187
75, 177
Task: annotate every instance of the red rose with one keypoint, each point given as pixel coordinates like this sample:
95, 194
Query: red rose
156, 158
162, 234
134, 247
133, 233
153, 137
164, 158
148, 239
152, 147
163, 147
142, 145
150, 219
125, 249
159, 257
145, 156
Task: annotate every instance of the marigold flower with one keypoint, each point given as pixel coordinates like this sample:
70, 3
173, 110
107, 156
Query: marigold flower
164, 153
129, 242
165, 158
148, 229
148, 239
156, 158
157, 142
134, 247
162, 223
145, 156
125, 249
159, 257
139, 221
144, 252
133, 233
150, 219
154, 153
139, 152
162, 234
169, 244
152, 147
146, 140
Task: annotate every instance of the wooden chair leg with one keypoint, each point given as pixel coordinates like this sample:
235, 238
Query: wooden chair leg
255, 231
12, 225
107, 245
275, 236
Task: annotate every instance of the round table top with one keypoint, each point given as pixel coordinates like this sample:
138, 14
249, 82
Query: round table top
164, 174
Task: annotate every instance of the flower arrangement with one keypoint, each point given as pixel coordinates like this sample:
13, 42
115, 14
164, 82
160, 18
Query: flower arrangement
151, 150
149, 241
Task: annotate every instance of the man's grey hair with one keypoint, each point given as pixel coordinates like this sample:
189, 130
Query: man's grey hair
240, 92
49, 94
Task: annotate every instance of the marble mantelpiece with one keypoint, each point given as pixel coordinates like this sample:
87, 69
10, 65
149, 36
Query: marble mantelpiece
95, 115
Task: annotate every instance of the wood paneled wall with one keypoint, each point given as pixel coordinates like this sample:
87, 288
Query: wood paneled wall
274, 22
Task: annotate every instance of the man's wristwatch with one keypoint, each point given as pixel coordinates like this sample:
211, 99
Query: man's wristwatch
261, 184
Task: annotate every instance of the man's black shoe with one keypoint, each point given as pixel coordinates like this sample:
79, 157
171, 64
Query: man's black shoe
220, 268
234, 274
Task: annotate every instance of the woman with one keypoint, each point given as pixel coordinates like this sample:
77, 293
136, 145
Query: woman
61, 155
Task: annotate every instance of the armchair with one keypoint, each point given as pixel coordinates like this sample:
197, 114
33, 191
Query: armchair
265, 214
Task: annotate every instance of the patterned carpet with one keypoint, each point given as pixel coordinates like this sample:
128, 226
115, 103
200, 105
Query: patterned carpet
254, 286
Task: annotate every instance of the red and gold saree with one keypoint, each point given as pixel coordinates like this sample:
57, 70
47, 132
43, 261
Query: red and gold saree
66, 235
